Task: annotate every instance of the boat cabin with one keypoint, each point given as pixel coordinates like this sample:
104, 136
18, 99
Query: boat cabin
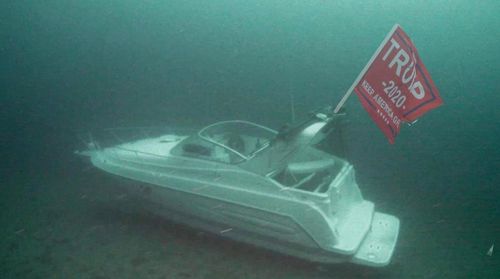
257, 149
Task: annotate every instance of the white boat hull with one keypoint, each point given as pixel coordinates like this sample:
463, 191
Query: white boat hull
320, 215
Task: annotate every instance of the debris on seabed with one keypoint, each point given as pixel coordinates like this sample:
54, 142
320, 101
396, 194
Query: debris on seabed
490, 251
226, 230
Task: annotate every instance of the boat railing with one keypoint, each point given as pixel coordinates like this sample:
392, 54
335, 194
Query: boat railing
109, 137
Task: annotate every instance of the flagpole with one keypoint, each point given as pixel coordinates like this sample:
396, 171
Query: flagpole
349, 92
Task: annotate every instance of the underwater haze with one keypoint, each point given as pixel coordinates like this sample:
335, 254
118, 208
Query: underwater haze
67, 67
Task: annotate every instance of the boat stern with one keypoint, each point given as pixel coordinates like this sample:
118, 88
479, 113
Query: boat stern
378, 245
368, 237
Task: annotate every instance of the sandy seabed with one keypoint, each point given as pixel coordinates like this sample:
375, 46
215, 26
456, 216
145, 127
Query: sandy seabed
78, 224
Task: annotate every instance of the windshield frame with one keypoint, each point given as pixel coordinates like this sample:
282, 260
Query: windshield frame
204, 134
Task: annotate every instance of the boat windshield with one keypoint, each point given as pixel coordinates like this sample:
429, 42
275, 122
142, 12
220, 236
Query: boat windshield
241, 137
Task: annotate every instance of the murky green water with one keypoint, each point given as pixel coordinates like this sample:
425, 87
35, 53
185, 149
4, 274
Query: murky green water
68, 66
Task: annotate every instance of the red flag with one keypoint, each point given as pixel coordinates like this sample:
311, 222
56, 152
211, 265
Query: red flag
395, 86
